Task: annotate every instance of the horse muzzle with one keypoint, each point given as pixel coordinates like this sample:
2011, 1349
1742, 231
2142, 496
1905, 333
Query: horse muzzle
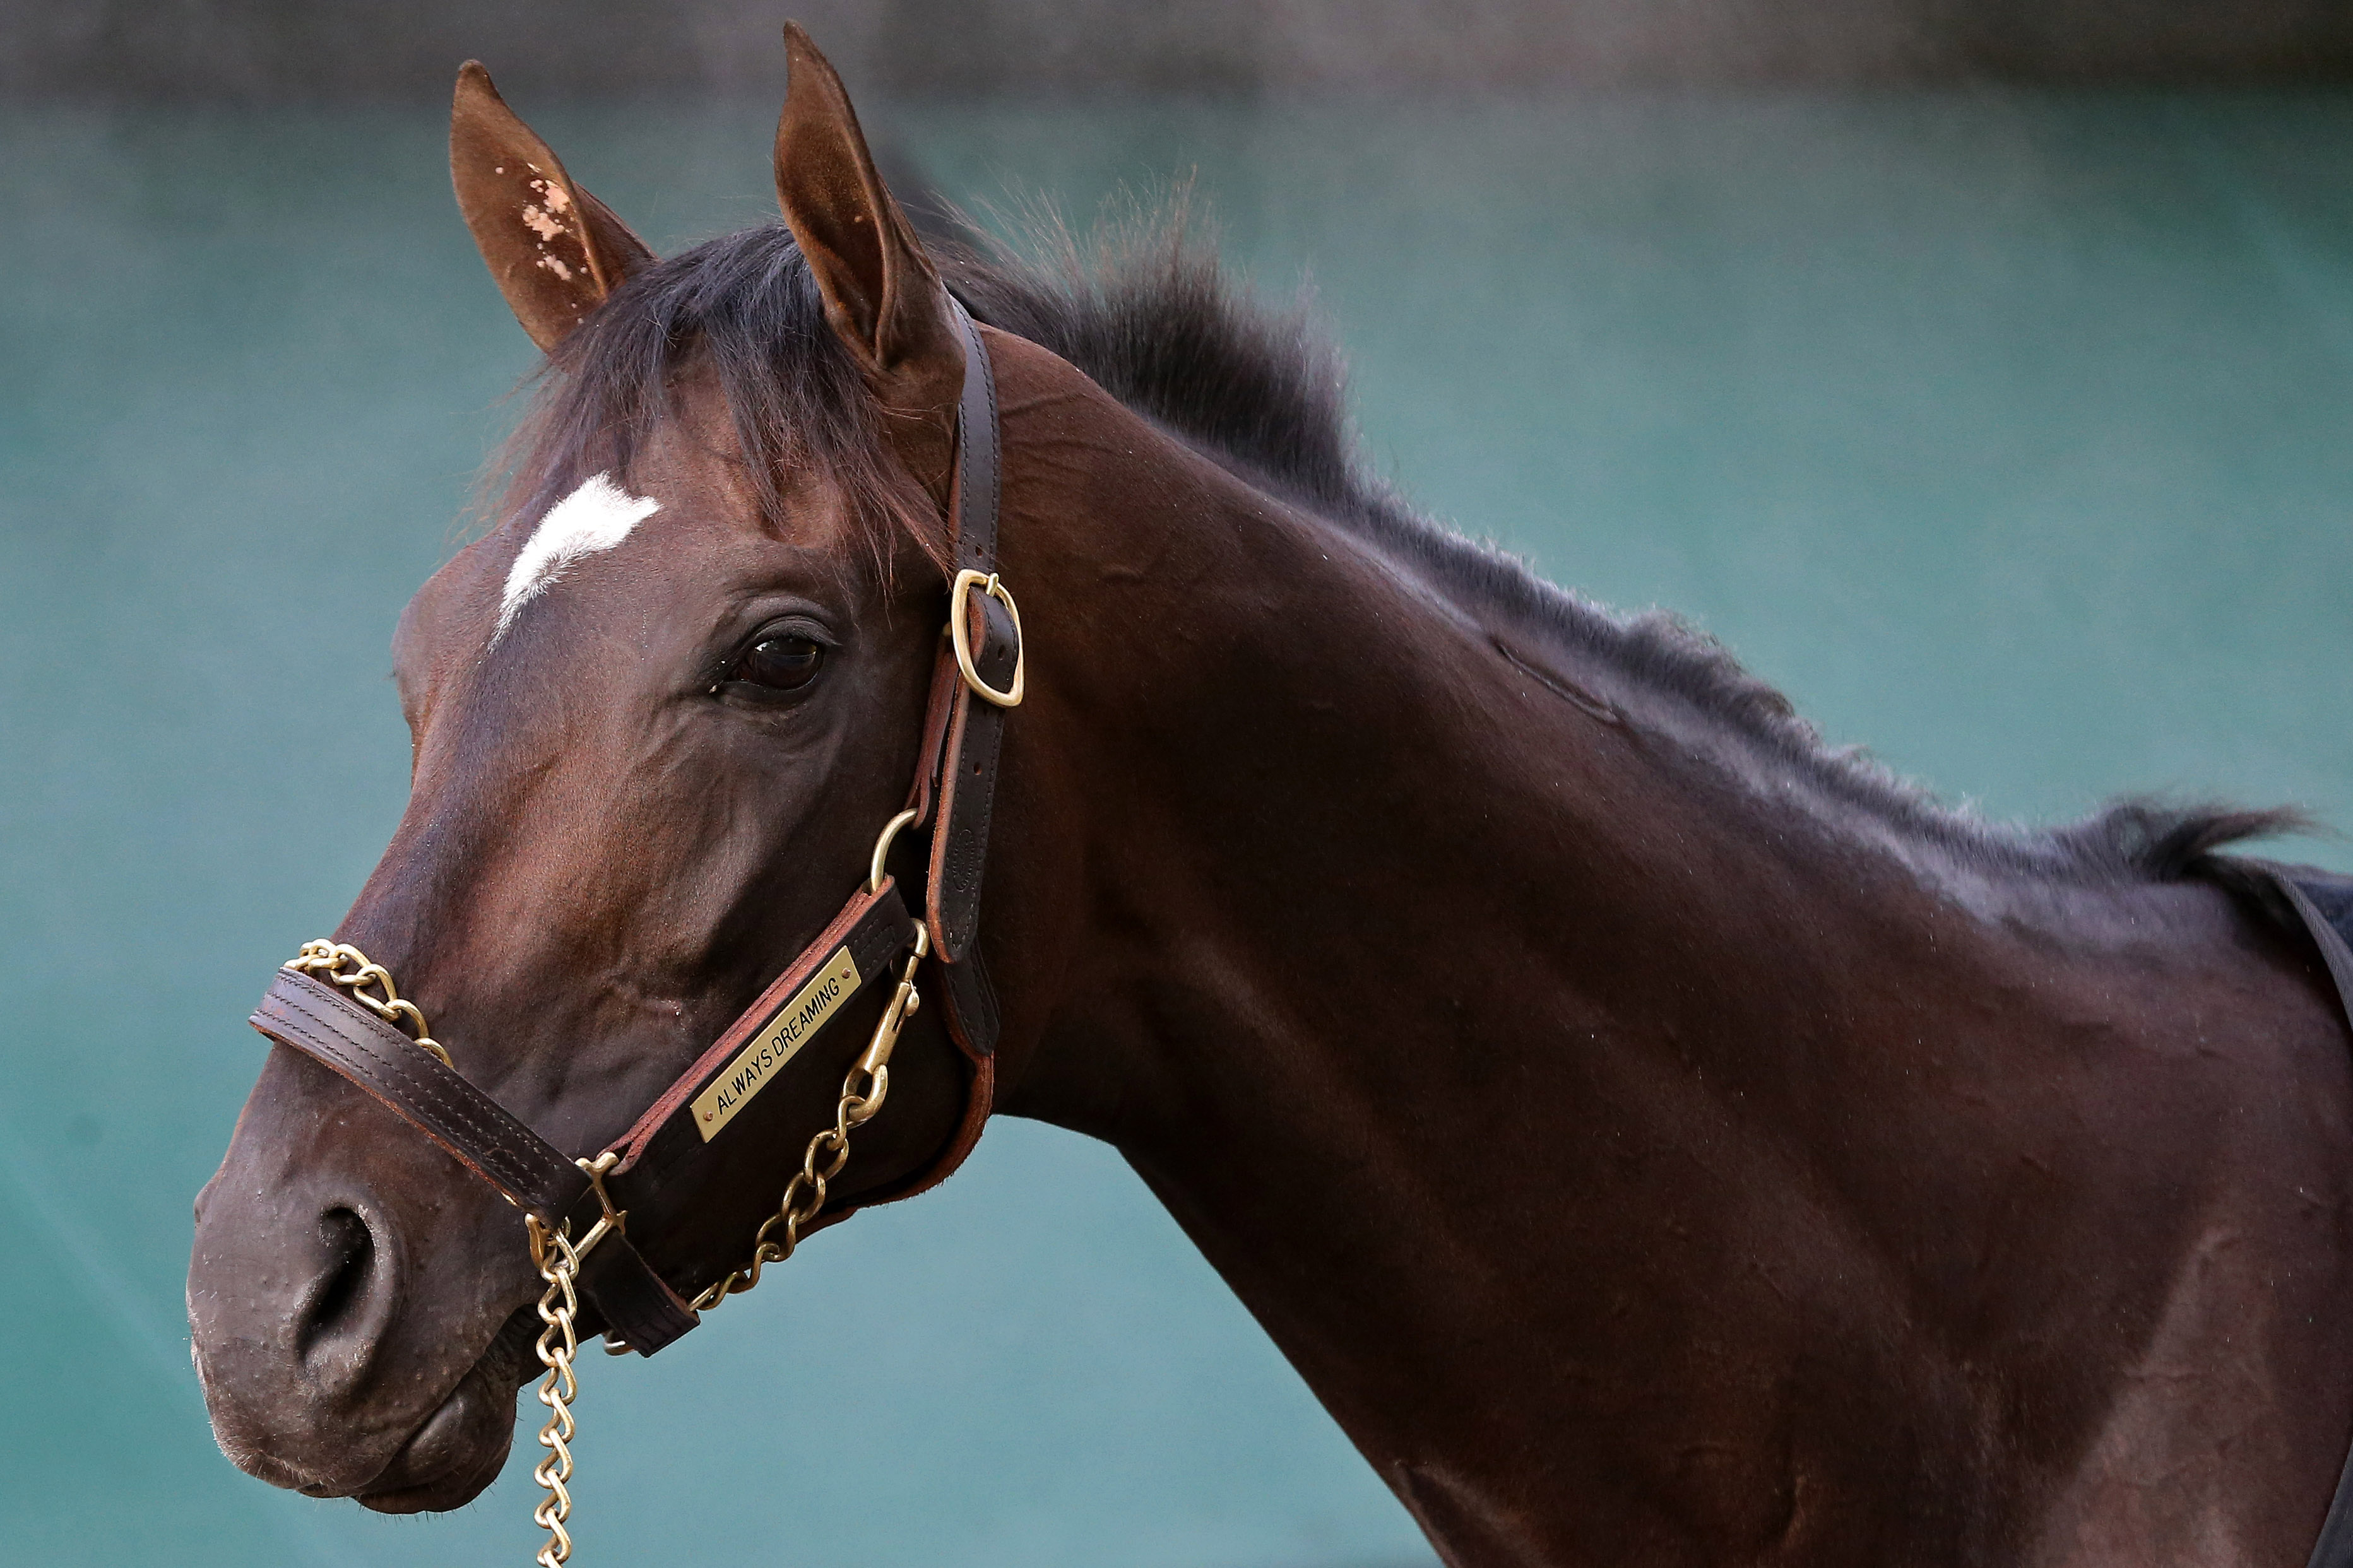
327, 1367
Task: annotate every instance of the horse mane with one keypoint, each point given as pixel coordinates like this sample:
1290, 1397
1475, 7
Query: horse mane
1144, 307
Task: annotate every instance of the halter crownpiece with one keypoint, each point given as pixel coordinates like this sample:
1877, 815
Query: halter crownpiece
340, 1009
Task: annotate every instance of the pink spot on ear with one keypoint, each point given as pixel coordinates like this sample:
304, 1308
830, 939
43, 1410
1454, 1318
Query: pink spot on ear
558, 198
556, 267
540, 224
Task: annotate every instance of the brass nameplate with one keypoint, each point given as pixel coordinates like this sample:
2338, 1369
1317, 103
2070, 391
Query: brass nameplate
795, 1023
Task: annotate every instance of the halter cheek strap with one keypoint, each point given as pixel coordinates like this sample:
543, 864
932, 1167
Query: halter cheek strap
978, 678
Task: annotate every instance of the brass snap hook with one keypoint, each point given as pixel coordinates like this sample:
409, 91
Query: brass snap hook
875, 1064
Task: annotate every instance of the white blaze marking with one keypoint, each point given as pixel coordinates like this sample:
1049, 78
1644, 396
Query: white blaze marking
598, 516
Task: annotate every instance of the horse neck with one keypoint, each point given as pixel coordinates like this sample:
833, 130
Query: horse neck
1544, 1086
1276, 786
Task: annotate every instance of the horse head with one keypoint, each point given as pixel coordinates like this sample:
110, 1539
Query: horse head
660, 711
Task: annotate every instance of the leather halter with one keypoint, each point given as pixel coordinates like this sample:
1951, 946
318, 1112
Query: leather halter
979, 668
2324, 903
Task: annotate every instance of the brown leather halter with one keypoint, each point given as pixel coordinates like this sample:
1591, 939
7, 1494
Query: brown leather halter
979, 675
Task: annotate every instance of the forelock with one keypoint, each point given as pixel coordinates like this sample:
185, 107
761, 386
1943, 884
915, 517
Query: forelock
743, 314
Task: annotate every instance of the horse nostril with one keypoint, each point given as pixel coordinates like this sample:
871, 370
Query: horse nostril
332, 1317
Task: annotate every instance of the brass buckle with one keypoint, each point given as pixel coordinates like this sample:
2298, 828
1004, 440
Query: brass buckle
876, 1063
1011, 696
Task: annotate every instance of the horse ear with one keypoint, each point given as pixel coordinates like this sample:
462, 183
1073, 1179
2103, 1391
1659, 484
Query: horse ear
882, 293
555, 250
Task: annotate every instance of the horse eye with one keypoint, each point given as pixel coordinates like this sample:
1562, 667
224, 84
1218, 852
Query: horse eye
781, 663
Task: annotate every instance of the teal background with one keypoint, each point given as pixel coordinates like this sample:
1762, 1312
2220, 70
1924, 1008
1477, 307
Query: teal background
2008, 432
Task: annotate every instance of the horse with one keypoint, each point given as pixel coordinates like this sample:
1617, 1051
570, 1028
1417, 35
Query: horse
1657, 1138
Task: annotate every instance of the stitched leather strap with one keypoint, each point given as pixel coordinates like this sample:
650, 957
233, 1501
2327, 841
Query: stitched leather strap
320, 1022
2330, 928
2303, 896
978, 477
968, 770
623, 1293
532, 1174
967, 785
874, 929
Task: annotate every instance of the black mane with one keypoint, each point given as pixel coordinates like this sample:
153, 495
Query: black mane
1148, 313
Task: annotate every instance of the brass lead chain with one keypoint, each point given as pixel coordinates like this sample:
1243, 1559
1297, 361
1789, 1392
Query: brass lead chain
558, 1262
557, 1257
559, 1265
863, 1093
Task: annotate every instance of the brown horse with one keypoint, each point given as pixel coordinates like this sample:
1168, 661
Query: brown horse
1656, 1138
